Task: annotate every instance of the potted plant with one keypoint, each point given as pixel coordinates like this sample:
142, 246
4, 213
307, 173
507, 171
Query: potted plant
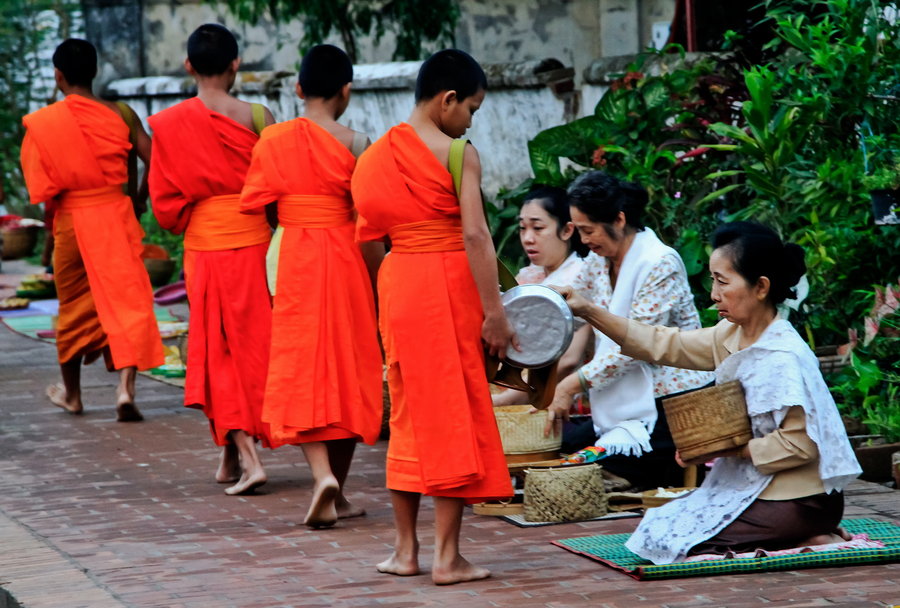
868, 390
883, 185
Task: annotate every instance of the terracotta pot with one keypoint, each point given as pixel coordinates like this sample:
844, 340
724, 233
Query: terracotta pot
875, 461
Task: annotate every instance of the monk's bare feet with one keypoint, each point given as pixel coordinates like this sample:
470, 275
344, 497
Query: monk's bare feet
247, 484
229, 470
458, 571
58, 397
345, 509
126, 410
322, 511
399, 566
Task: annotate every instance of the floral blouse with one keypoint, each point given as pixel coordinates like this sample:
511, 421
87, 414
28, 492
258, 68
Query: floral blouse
664, 299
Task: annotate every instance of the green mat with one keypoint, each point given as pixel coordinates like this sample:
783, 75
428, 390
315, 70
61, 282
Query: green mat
609, 549
30, 325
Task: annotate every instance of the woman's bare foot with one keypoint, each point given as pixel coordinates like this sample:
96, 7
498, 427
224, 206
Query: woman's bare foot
249, 481
322, 510
399, 566
58, 397
345, 509
825, 539
459, 571
229, 470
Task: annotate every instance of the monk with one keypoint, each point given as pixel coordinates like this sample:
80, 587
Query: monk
325, 373
438, 300
201, 154
74, 158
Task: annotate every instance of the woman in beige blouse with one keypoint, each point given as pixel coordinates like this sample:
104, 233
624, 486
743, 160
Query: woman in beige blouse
784, 488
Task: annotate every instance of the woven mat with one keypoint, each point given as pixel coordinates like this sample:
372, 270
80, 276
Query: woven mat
519, 520
609, 549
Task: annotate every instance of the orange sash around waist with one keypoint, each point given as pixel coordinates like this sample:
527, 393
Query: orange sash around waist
217, 224
76, 199
429, 236
314, 210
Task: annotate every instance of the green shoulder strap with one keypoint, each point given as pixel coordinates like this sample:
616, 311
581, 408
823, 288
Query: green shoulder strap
457, 151
131, 119
258, 112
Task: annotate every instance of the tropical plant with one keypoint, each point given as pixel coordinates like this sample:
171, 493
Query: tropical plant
883, 178
413, 22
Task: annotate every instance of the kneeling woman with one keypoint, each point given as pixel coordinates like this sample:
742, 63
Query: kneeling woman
783, 489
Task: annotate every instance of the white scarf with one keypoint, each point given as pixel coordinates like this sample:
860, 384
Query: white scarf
624, 411
777, 371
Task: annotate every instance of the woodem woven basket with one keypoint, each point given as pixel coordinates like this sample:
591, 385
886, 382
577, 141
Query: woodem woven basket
523, 433
707, 422
558, 494
18, 242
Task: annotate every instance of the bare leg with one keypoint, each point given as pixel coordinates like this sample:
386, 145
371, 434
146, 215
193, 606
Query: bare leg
252, 473
229, 469
449, 566
68, 394
322, 512
126, 410
838, 536
405, 559
340, 455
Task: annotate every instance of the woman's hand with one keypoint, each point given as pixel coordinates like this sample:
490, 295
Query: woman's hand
577, 303
678, 459
497, 333
557, 412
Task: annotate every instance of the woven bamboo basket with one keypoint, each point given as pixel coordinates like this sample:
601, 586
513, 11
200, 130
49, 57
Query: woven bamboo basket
708, 422
522, 434
571, 493
18, 242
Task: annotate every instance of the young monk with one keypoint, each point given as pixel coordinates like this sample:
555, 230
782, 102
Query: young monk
74, 157
324, 384
438, 299
201, 153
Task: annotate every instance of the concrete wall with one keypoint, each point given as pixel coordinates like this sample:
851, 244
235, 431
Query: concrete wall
147, 37
524, 99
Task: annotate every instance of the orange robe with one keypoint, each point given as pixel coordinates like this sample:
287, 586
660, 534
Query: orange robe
74, 156
325, 371
444, 438
197, 170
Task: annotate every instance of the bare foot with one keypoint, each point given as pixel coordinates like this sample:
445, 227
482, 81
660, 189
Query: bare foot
459, 571
58, 397
127, 411
843, 534
248, 482
322, 511
823, 539
345, 509
399, 566
229, 470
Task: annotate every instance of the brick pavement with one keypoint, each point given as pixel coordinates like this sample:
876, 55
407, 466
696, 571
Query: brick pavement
96, 513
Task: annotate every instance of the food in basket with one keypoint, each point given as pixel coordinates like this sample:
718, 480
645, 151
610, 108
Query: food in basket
660, 496
37, 286
14, 303
664, 493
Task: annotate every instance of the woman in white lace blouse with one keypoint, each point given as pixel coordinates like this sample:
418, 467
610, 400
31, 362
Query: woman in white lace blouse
784, 488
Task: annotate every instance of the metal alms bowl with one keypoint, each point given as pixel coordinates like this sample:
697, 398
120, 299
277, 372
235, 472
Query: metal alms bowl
543, 323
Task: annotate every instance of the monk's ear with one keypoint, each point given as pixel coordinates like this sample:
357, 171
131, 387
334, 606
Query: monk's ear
299, 90
60, 79
235, 64
345, 90
448, 98
189, 68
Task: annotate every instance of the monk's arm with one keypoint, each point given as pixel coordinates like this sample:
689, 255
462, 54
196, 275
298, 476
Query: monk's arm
270, 119
143, 151
372, 254
496, 331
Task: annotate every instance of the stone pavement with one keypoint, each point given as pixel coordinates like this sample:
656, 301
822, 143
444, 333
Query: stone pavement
95, 513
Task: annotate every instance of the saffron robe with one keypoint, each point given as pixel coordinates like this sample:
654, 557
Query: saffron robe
444, 439
74, 156
197, 170
325, 371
